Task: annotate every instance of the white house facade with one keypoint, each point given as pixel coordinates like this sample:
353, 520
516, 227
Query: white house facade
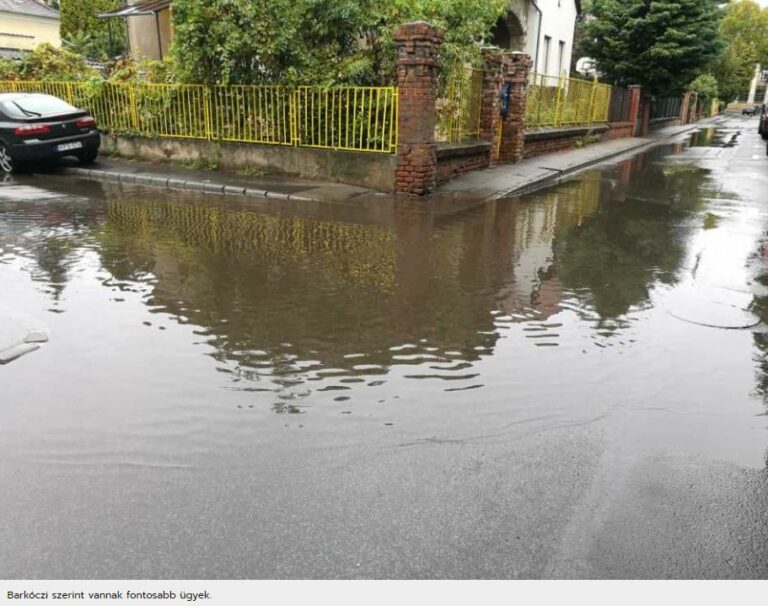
542, 28
24, 24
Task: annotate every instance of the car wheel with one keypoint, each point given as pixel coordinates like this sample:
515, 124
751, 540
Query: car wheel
7, 163
88, 156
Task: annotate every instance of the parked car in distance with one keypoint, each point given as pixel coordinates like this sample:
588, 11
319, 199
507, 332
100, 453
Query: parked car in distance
750, 110
35, 127
762, 125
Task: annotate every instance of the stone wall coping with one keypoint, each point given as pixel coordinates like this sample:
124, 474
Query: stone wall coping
564, 133
458, 150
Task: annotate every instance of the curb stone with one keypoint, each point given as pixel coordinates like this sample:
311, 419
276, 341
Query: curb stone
558, 174
174, 183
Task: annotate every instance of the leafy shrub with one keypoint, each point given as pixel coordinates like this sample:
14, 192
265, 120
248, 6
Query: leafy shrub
128, 70
315, 41
705, 85
84, 33
48, 63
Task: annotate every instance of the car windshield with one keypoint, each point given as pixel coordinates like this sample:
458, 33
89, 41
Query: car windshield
35, 106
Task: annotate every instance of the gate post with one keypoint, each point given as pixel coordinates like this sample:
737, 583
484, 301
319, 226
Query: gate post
634, 108
516, 66
417, 68
490, 102
684, 108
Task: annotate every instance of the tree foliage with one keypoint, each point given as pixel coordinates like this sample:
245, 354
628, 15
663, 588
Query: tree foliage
705, 85
313, 41
87, 34
660, 44
744, 31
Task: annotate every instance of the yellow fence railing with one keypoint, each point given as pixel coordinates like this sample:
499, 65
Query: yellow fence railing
351, 118
458, 105
252, 114
360, 118
559, 101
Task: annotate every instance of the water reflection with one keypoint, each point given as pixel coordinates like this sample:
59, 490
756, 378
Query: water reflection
300, 305
635, 238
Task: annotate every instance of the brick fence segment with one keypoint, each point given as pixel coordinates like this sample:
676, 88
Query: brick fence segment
417, 69
634, 108
515, 69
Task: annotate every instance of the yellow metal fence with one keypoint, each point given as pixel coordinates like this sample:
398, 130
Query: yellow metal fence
344, 118
459, 104
559, 101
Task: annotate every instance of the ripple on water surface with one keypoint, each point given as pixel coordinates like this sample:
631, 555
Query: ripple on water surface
228, 313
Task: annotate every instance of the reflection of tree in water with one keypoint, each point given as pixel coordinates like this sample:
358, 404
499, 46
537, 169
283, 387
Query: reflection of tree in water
53, 256
759, 306
636, 237
51, 237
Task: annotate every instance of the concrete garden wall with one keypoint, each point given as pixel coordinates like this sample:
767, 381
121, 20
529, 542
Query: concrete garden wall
376, 171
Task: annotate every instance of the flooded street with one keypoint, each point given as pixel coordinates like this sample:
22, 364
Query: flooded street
567, 384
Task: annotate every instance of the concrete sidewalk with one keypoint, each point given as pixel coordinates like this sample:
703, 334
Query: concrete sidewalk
514, 179
19, 335
167, 176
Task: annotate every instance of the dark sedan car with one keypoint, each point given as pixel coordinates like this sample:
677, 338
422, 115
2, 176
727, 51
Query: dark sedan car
40, 127
750, 110
762, 125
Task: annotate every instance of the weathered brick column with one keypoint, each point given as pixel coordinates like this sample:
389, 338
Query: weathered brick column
417, 46
490, 109
634, 108
645, 116
515, 68
693, 107
684, 104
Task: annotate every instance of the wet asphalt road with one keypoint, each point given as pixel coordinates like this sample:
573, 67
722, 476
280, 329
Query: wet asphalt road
567, 385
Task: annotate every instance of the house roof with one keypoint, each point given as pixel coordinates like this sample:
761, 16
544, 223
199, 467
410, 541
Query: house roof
146, 7
28, 7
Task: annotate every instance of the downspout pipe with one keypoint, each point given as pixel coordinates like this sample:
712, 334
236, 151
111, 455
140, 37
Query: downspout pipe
538, 35
159, 35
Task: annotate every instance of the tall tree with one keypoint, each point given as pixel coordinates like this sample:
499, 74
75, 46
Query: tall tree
660, 44
84, 32
744, 31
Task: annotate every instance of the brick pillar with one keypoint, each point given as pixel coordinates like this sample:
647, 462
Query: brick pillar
694, 105
634, 108
515, 68
645, 118
417, 45
684, 108
490, 109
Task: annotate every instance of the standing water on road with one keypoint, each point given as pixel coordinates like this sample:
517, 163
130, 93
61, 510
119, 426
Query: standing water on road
566, 384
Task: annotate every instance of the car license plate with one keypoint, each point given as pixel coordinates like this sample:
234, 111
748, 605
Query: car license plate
69, 146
